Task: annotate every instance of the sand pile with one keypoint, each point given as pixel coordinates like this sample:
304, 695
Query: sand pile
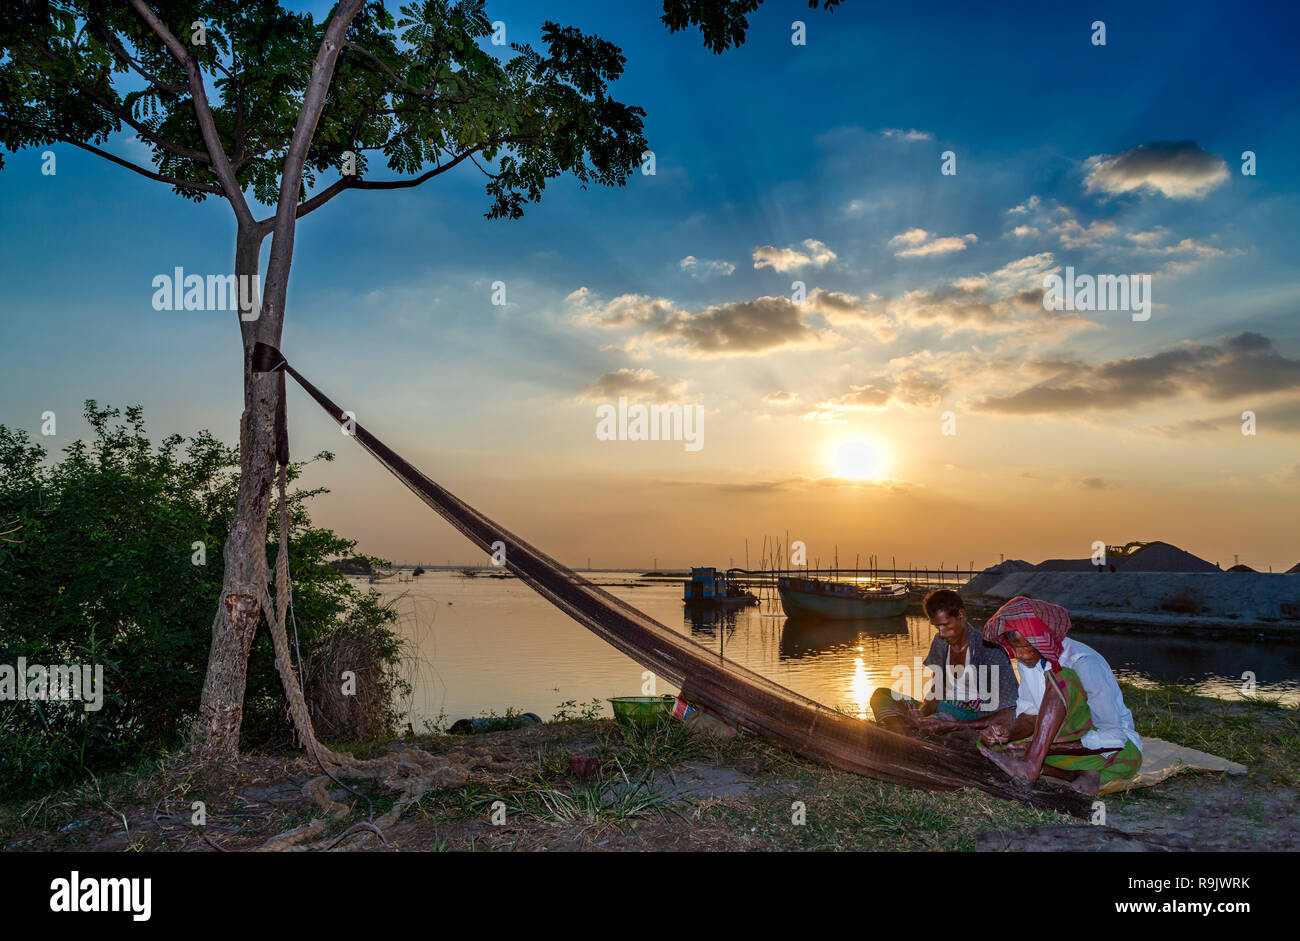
992, 575
1162, 557
1066, 565
1154, 597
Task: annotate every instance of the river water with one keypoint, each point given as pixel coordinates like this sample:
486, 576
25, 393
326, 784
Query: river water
483, 645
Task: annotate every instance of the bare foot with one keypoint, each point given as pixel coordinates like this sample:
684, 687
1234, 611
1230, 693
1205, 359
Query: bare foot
1017, 770
1088, 782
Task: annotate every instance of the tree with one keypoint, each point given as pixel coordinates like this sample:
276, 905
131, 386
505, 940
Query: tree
238, 97
117, 565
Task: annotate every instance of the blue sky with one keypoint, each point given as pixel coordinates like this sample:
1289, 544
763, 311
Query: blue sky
774, 163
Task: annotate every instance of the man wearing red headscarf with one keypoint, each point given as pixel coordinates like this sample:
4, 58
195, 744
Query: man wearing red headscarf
1071, 721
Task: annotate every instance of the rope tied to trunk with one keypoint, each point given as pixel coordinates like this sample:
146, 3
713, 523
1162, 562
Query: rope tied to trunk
412, 771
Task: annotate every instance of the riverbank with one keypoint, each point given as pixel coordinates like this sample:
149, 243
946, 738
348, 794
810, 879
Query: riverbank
669, 789
1219, 604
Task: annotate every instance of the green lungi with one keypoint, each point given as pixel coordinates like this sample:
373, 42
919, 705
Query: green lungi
885, 703
1116, 766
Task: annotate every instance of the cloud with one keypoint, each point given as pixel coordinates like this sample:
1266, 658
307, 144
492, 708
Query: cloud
1194, 426
1036, 216
1285, 477
781, 397
848, 310
788, 259
1008, 300
636, 384
1242, 365
1023, 274
1060, 221
739, 328
1150, 238
795, 484
1095, 483
1074, 235
626, 310
1178, 170
989, 304
856, 207
703, 267
958, 309
908, 136
1275, 416
1184, 256
911, 387
918, 242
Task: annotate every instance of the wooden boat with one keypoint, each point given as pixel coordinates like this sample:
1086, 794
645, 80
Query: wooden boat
822, 598
708, 586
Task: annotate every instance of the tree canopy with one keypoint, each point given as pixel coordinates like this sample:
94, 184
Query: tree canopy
418, 93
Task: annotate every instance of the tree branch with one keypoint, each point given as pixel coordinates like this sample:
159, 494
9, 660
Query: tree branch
490, 176
174, 181
352, 182
125, 117
110, 38
427, 92
220, 163
286, 209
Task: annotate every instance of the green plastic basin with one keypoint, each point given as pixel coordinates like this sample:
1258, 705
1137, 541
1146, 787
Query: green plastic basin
643, 710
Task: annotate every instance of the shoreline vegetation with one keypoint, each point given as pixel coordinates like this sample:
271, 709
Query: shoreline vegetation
668, 788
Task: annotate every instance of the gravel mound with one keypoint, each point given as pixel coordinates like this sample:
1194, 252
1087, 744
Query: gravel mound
1162, 557
981, 583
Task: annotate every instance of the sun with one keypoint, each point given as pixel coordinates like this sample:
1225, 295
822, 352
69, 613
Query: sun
857, 460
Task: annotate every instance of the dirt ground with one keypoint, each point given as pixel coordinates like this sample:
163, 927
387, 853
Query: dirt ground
663, 789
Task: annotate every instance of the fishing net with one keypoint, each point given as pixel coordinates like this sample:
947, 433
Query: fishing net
749, 699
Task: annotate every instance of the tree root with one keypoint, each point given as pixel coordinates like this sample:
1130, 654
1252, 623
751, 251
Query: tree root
412, 771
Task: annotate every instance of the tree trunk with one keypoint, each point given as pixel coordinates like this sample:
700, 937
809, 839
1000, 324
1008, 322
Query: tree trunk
221, 709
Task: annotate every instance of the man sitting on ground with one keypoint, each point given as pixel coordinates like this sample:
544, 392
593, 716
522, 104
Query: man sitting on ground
973, 683
1071, 721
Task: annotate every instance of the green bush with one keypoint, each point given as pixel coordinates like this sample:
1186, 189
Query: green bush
97, 566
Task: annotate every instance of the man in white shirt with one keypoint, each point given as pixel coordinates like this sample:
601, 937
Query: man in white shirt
1071, 721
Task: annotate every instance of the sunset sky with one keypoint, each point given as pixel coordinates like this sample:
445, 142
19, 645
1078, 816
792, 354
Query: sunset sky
775, 163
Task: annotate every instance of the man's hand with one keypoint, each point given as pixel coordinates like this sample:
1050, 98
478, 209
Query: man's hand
996, 734
937, 723
912, 715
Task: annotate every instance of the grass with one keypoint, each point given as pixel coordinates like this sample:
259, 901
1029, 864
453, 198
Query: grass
588, 803
652, 748
805, 806
623, 789
1260, 732
630, 802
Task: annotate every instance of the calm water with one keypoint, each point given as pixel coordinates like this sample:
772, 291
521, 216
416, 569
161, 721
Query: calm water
486, 644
